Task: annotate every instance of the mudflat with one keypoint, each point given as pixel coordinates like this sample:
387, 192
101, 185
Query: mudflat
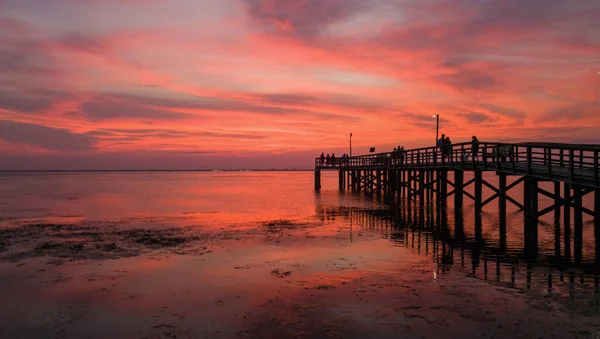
277, 279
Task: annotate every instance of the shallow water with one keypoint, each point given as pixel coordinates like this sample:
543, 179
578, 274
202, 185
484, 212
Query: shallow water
205, 199
269, 257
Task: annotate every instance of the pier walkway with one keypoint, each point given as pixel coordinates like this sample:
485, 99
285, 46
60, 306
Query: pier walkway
574, 164
422, 175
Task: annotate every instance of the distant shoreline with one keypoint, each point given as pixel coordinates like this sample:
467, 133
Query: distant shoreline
153, 171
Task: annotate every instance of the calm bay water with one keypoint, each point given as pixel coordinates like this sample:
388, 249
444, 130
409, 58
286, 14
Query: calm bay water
229, 200
204, 199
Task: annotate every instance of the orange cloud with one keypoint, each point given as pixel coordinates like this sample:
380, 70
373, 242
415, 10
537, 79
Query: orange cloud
253, 78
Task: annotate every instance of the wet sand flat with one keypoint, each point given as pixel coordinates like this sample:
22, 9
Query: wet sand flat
274, 279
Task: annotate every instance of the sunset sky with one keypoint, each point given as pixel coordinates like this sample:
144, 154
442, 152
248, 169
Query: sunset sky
130, 84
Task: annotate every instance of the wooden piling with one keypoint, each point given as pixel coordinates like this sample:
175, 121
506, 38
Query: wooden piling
422, 188
459, 178
597, 225
342, 180
578, 222
459, 225
567, 221
502, 209
444, 187
478, 204
409, 185
429, 191
378, 181
403, 182
438, 188
478, 191
317, 180
531, 216
557, 203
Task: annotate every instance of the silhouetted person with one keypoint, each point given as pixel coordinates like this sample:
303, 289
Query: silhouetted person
333, 159
327, 158
440, 145
440, 142
447, 148
401, 154
475, 148
322, 158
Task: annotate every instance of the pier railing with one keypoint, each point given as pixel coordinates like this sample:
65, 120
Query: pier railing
566, 162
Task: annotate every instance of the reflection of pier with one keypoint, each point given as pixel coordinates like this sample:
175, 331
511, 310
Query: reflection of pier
422, 175
481, 259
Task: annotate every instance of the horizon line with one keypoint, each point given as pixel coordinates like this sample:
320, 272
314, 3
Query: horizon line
160, 170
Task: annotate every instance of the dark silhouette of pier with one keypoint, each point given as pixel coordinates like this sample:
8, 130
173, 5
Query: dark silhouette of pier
427, 177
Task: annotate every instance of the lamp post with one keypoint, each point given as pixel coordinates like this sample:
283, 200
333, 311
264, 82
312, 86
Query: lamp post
350, 144
437, 127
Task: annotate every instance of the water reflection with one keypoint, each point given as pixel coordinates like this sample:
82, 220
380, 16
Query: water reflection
485, 254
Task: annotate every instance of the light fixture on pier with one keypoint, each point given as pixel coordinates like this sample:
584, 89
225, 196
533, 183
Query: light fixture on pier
350, 144
437, 127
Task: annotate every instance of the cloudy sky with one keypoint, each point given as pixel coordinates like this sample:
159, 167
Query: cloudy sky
271, 83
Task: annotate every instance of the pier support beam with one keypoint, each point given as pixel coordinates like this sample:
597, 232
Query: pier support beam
342, 179
557, 203
422, 188
398, 183
478, 190
378, 181
438, 188
431, 188
443, 202
317, 180
421, 199
567, 221
578, 223
444, 187
597, 225
478, 204
531, 217
502, 208
459, 178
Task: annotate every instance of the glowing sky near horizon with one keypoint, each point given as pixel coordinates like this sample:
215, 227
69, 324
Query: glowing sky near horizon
270, 83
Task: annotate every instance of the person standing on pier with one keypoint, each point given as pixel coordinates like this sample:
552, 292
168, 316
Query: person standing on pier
327, 159
441, 140
447, 152
440, 145
401, 154
475, 148
322, 158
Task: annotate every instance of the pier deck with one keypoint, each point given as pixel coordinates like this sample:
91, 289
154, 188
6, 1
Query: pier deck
573, 164
422, 175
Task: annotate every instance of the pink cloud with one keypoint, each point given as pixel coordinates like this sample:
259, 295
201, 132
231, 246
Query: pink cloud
270, 76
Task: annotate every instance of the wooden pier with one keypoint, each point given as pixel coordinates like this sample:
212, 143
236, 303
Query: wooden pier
428, 176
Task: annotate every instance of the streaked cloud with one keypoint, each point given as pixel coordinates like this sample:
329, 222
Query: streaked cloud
47, 138
263, 77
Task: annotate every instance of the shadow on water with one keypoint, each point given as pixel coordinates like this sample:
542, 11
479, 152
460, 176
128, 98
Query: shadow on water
483, 246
